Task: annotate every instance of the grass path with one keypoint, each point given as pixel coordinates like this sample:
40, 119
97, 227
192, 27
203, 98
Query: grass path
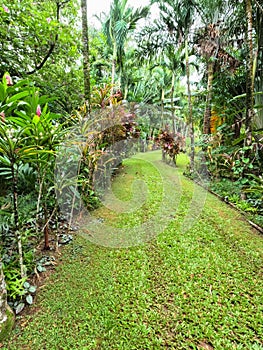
165, 266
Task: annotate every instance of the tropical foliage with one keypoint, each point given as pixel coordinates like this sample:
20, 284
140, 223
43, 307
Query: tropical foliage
76, 100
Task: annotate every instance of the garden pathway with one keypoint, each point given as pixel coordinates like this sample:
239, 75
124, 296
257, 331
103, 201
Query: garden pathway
162, 265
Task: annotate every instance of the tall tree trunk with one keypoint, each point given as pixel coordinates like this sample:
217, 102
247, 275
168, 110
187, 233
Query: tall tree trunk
190, 108
113, 67
6, 315
162, 106
172, 101
3, 296
85, 53
207, 114
46, 229
250, 76
125, 91
258, 120
16, 221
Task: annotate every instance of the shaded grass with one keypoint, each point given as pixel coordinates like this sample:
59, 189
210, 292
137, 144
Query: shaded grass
184, 289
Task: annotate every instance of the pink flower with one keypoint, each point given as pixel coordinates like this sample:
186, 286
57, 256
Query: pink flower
2, 115
9, 80
48, 20
38, 112
6, 9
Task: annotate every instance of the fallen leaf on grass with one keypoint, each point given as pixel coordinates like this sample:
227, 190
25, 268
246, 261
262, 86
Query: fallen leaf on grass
203, 345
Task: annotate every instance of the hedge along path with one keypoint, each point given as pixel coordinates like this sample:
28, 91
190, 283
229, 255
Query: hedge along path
178, 288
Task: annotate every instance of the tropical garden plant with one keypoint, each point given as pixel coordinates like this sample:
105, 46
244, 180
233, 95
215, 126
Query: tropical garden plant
111, 93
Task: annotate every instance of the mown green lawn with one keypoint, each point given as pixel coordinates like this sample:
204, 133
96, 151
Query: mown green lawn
163, 266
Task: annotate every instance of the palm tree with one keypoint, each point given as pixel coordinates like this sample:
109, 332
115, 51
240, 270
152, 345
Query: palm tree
211, 44
172, 60
159, 79
209, 48
179, 17
121, 20
258, 120
250, 77
85, 52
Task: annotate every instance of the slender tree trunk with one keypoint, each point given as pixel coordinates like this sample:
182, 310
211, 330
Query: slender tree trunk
85, 53
250, 78
46, 229
3, 296
113, 68
6, 315
41, 180
112, 75
258, 65
207, 115
126, 91
172, 101
190, 108
16, 221
120, 80
162, 106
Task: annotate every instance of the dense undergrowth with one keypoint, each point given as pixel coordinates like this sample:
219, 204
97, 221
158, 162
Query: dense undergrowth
47, 162
232, 171
195, 288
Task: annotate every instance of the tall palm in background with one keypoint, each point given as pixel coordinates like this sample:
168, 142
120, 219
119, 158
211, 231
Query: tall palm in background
259, 66
173, 61
119, 23
249, 14
179, 18
220, 42
250, 78
212, 13
85, 52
